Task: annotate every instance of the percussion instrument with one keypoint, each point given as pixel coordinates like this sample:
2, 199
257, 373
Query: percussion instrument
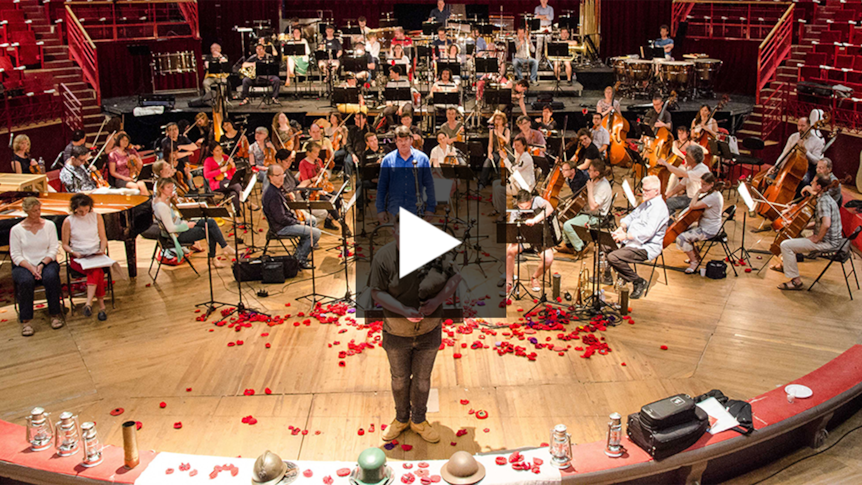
638, 70
385, 36
677, 72
706, 70
166, 63
619, 66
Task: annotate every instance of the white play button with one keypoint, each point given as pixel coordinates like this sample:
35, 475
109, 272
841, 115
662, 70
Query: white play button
420, 243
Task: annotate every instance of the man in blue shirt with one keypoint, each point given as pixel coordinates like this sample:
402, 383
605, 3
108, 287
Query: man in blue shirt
545, 14
665, 42
441, 13
397, 188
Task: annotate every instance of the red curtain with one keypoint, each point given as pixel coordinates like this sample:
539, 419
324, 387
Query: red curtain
124, 66
739, 62
626, 25
219, 17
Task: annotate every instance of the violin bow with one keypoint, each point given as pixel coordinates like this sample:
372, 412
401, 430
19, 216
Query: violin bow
101, 150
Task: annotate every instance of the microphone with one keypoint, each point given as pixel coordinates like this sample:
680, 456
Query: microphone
11, 138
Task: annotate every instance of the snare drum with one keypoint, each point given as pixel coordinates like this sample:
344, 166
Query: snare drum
677, 72
639, 69
707, 69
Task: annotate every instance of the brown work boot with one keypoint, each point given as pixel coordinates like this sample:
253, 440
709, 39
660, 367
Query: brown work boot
426, 431
394, 429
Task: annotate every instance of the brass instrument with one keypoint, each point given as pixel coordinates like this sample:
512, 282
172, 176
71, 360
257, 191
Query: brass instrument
249, 72
584, 288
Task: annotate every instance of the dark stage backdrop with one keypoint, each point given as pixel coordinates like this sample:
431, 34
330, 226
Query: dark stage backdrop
124, 66
625, 24
739, 68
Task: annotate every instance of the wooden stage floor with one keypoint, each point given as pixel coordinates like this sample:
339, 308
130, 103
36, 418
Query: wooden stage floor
740, 335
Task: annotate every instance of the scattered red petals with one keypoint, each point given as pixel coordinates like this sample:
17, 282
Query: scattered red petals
464, 402
501, 460
169, 471
406, 447
663, 347
481, 414
193, 473
188, 389
138, 425
360, 432
342, 472
407, 466
163, 405
327, 480
117, 411
267, 391
268, 345
248, 392
341, 363
307, 473
623, 364
178, 425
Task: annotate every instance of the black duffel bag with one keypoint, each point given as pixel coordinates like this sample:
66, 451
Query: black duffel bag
716, 269
253, 269
669, 441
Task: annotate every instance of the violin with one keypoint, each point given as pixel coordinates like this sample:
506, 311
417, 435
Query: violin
229, 161
36, 168
618, 128
268, 156
95, 173
783, 188
135, 165
797, 220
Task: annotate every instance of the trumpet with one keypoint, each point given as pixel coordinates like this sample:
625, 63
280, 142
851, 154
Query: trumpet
582, 293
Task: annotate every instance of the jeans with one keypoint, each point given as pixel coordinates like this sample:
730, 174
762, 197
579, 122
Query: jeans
274, 81
347, 162
234, 190
677, 203
197, 233
389, 113
620, 259
25, 285
305, 234
534, 69
580, 220
411, 360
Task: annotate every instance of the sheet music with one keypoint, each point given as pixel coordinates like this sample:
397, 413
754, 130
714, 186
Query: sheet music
248, 189
95, 261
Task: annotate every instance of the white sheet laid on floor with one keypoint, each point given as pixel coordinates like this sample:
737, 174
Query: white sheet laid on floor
494, 474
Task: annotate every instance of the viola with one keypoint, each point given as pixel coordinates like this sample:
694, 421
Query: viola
783, 188
135, 165
268, 156
618, 128
36, 168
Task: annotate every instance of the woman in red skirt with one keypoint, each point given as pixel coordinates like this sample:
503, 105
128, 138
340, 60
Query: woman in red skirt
84, 235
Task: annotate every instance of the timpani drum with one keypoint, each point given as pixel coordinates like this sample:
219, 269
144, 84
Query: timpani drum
707, 70
677, 72
619, 66
639, 69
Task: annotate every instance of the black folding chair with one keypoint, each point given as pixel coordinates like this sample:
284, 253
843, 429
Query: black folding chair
720, 238
73, 277
166, 242
272, 236
842, 255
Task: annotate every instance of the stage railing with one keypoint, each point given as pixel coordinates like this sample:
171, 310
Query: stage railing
73, 114
83, 50
774, 49
137, 19
731, 20
680, 12
774, 110
190, 12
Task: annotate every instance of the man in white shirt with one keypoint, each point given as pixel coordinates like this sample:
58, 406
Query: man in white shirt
599, 197
523, 52
813, 145
601, 137
689, 178
521, 164
642, 233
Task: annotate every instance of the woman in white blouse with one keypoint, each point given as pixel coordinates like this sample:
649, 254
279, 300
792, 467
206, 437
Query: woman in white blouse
186, 231
33, 245
84, 235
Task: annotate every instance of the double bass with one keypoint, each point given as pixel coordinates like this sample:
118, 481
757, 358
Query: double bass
618, 128
794, 166
660, 146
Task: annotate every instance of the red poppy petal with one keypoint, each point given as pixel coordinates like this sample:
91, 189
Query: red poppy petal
360, 432
501, 460
138, 425
163, 405
328, 480
342, 472
406, 447
664, 347
117, 411
307, 473
464, 402
178, 425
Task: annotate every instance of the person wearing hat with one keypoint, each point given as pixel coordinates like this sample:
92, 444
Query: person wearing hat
412, 334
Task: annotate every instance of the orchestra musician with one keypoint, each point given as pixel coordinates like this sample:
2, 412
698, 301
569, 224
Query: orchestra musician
371, 155
441, 44
282, 132
332, 45
565, 36
574, 177
445, 84
824, 169
396, 187
310, 169
443, 150
711, 202
372, 48
665, 41
534, 138
524, 50
181, 231
452, 127
297, 65
546, 122
407, 122
79, 138
642, 234
283, 221
608, 102
599, 199
33, 246
827, 234
501, 78
651, 118
477, 40
354, 143
700, 124
545, 14
588, 150
260, 55
680, 145
524, 201
522, 163
215, 57
364, 31
174, 142
118, 165
324, 144
399, 58
400, 40
20, 156
262, 153
218, 171
83, 234
812, 145
689, 178
231, 137
440, 14
498, 138
350, 82
74, 175
396, 108
600, 136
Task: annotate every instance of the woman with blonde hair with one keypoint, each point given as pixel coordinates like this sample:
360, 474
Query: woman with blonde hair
20, 156
33, 245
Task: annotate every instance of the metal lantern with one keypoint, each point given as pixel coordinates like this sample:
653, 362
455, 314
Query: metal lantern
92, 447
40, 432
561, 447
68, 434
615, 435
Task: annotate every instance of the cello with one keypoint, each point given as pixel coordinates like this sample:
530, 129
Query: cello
797, 220
554, 183
686, 219
618, 127
703, 139
794, 166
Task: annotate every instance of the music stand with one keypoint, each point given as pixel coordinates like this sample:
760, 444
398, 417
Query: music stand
559, 50
469, 49
495, 97
602, 239
267, 69
430, 28
509, 232
355, 63
486, 65
453, 66
368, 172
445, 100
345, 95
397, 94
310, 206
459, 172
295, 49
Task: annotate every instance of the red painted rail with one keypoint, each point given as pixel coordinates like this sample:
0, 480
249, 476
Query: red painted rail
83, 50
774, 50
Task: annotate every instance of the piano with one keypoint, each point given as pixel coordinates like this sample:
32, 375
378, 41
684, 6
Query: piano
125, 216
